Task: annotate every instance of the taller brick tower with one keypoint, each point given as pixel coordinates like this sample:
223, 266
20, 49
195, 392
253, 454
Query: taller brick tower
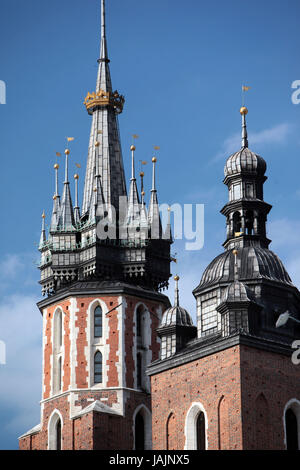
102, 272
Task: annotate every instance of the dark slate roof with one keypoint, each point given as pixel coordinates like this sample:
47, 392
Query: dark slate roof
245, 161
237, 292
253, 263
176, 316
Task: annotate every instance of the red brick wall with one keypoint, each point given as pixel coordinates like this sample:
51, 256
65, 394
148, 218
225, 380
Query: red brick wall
243, 390
206, 381
267, 379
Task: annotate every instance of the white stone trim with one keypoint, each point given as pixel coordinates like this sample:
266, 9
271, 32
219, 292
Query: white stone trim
94, 346
293, 404
55, 416
190, 430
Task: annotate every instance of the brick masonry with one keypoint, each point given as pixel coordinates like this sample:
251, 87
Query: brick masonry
243, 392
94, 430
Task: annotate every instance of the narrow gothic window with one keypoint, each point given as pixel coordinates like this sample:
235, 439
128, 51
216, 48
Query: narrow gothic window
98, 368
98, 322
59, 373
139, 432
291, 430
60, 330
200, 430
139, 370
58, 435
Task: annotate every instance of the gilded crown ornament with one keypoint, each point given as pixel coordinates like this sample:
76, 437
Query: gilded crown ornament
104, 98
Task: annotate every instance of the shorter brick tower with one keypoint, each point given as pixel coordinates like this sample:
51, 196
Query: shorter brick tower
232, 384
102, 273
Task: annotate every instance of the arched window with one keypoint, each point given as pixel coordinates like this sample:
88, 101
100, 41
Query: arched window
55, 427
59, 375
139, 432
249, 221
98, 368
58, 435
98, 322
139, 370
57, 350
196, 428
200, 430
291, 430
236, 222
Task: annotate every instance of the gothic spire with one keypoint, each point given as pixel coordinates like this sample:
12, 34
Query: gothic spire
66, 220
153, 212
104, 105
56, 202
97, 202
76, 208
133, 213
43, 238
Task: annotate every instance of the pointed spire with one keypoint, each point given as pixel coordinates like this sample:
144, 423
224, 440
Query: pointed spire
43, 238
66, 219
176, 301
244, 112
104, 79
133, 212
168, 231
104, 111
56, 202
76, 208
97, 199
153, 213
103, 49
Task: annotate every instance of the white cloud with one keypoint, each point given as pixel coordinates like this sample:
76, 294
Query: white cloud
275, 135
10, 265
20, 378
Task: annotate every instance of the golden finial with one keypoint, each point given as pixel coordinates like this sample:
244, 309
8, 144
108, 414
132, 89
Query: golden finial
243, 111
67, 152
43, 215
234, 252
154, 160
56, 166
176, 278
97, 144
54, 197
76, 176
142, 174
95, 190
143, 193
132, 148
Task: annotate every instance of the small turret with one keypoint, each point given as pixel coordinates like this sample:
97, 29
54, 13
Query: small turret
176, 327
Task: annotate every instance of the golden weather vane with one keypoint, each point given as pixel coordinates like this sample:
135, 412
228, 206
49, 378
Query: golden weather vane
244, 88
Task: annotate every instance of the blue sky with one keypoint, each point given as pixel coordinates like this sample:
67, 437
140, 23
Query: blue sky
180, 66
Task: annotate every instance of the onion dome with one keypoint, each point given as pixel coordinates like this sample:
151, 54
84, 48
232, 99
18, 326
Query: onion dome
245, 161
255, 263
176, 315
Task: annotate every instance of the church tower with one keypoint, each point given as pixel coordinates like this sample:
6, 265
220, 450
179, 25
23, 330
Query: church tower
102, 272
233, 384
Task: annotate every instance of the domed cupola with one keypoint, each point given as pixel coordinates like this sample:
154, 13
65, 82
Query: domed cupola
245, 161
251, 300
246, 212
176, 327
